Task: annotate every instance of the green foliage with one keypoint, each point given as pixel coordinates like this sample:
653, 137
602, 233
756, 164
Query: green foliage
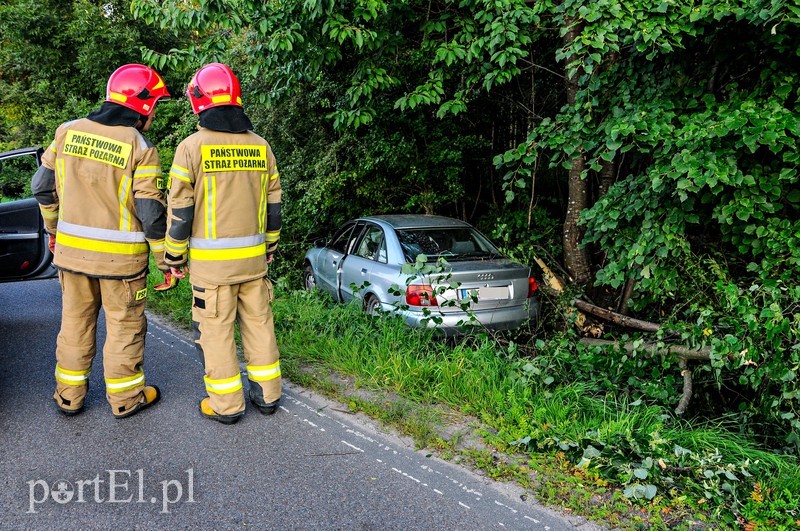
754, 364
774, 505
55, 59
523, 235
702, 143
704, 214
535, 404
704, 137
328, 70
376, 45
633, 444
754, 333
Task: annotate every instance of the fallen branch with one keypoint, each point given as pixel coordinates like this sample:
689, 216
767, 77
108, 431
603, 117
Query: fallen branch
554, 286
687, 387
618, 318
653, 349
682, 352
550, 278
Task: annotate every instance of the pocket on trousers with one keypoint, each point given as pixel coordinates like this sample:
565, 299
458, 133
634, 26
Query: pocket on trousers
135, 291
270, 290
205, 301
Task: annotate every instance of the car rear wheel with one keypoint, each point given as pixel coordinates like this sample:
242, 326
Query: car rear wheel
309, 280
372, 305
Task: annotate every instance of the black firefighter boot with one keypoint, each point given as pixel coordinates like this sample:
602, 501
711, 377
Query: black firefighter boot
257, 398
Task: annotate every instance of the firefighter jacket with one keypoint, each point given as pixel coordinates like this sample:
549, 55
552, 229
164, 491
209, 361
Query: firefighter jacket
97, 190
224, 210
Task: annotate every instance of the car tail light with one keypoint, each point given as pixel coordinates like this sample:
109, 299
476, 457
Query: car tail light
420, 295
533, 287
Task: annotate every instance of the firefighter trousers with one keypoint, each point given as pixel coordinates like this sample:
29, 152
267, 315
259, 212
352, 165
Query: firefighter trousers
123, 302
215, 311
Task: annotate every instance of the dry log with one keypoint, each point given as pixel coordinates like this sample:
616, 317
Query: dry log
622, 320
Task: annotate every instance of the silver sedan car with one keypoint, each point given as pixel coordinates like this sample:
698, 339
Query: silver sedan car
433, 271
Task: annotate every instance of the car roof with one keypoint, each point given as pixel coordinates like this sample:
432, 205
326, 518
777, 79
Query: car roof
417, 221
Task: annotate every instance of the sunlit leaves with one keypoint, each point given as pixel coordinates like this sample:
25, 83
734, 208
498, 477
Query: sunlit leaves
476, 46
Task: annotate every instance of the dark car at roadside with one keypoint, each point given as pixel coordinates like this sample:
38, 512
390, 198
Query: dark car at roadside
24, 254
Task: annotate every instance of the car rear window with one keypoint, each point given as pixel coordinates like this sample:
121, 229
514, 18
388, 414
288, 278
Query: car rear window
450, 243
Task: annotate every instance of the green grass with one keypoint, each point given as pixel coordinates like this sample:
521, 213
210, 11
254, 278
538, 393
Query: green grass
584, 450
175, 303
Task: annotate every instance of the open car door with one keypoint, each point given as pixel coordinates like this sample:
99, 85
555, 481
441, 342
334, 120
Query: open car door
24, 254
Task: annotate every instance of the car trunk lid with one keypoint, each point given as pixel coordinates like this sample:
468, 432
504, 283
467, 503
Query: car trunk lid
481, 285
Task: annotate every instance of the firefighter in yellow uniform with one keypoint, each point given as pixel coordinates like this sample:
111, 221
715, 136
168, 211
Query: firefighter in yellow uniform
104, 214
224, 216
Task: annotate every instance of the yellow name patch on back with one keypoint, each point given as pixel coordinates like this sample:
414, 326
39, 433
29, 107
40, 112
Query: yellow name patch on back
234, 158
99, 148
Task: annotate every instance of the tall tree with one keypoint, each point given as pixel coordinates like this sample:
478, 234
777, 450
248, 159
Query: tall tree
576, 258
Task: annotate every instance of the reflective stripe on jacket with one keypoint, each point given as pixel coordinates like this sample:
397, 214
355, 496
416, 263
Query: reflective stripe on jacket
105, 208
224, 211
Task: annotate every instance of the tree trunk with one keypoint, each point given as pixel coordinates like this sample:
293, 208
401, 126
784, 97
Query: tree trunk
607, 177
576, 259
620, 319
626, 296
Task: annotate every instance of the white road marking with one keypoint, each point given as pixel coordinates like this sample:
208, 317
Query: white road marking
353, 447
167, 339
506, 506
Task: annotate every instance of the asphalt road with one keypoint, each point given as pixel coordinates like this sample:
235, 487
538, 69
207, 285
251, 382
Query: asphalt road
309, 466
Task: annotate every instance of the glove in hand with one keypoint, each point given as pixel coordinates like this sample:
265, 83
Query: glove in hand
170, 281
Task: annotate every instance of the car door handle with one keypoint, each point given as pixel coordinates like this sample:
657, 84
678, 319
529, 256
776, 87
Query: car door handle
363, 270
334, 262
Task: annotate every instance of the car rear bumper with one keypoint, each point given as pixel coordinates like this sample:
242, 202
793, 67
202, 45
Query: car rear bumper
454, 323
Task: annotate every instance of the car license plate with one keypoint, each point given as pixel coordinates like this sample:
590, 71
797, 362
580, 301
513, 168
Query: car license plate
486, 293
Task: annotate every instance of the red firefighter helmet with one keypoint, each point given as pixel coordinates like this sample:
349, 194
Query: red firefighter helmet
136, 87
214, 85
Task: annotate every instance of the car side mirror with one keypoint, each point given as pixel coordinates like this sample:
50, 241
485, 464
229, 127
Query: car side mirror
319, 243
